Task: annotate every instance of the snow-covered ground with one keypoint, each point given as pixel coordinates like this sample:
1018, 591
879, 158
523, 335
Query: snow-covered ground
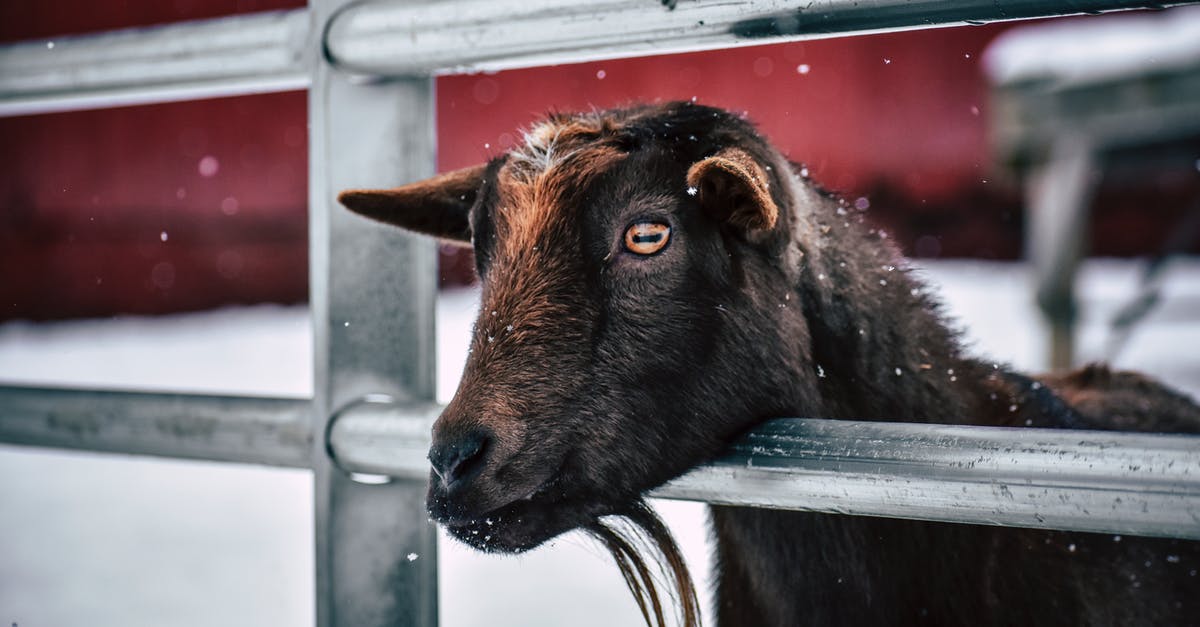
94, 540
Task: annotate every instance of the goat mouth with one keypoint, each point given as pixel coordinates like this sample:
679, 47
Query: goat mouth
518, 526
524, 523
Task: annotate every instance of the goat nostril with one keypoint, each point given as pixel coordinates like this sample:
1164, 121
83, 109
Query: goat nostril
459, 460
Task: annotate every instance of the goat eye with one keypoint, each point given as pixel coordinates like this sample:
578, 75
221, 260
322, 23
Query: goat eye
647, 238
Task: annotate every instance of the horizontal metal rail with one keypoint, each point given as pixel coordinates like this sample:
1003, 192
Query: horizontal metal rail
1100, 481
255, 53
376, 436
272, 51
415, 38
275, 432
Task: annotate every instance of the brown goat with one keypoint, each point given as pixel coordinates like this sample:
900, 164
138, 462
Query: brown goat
658, 279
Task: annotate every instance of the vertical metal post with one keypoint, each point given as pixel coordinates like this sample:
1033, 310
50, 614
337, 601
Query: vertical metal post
1058, 197
372, 298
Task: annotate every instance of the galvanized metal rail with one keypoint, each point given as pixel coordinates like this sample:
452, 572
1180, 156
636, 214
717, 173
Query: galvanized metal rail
407, 38
380, 132
274, 51
270, 431
1099, 481
245, 54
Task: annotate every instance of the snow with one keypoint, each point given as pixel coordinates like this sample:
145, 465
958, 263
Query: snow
107, 541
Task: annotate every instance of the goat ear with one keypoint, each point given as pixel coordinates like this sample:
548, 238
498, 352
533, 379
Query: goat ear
733, 187
438, 206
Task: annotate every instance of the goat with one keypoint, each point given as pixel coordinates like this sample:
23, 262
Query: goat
658, 279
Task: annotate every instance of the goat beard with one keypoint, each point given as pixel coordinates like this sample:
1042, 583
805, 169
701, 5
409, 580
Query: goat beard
637, 538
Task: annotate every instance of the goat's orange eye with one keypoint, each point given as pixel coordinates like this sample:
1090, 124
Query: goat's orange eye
647, 238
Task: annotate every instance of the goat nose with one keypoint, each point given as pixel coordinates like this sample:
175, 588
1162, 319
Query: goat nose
461, 459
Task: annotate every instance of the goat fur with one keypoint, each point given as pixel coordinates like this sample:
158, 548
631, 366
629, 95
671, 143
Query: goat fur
596, 375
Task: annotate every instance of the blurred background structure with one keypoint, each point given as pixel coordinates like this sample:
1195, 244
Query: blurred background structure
950, 138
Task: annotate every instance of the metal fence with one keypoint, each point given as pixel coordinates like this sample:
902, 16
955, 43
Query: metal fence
369, 68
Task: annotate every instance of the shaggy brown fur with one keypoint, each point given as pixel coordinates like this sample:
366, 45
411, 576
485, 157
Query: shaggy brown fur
597, 373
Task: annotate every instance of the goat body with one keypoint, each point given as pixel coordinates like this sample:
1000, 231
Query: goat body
658, 279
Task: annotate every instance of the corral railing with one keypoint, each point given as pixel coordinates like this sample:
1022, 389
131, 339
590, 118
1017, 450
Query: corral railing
369, 69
